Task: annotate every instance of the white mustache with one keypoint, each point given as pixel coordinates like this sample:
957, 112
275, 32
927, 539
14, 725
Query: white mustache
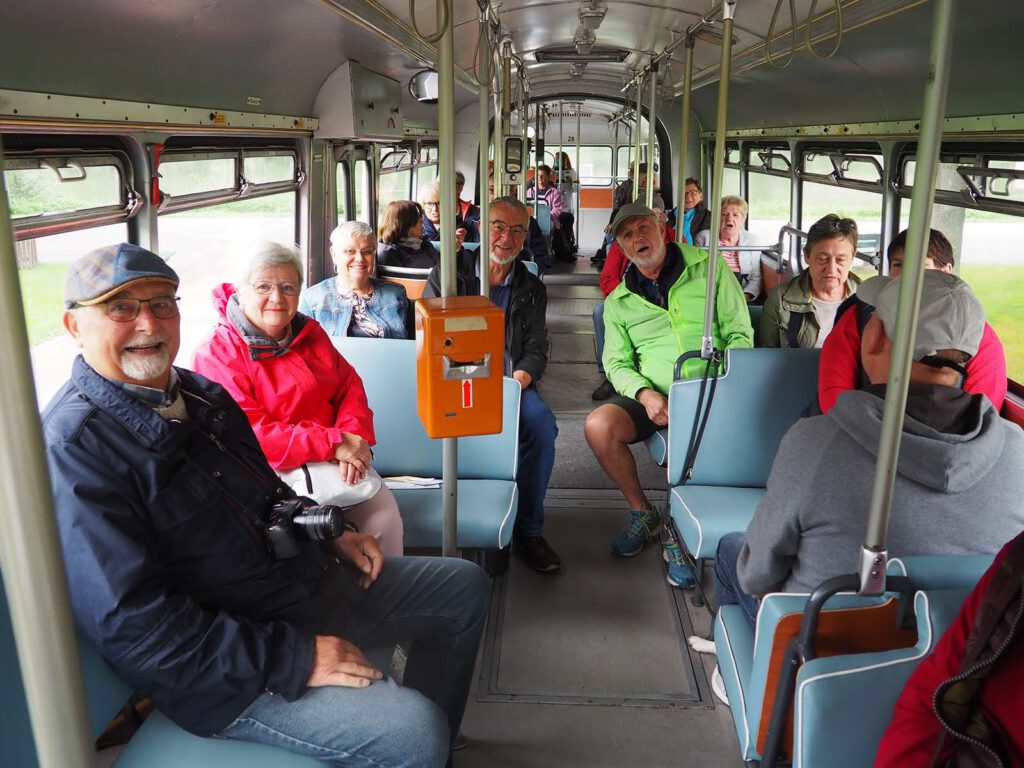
145, 341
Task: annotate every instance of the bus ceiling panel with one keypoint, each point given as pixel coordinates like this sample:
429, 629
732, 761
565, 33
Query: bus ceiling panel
246, 55
879, 72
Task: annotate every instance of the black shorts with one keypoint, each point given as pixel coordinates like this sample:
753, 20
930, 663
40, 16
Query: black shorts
641, 422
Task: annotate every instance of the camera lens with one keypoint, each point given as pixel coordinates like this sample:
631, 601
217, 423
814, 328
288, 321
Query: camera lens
321, 523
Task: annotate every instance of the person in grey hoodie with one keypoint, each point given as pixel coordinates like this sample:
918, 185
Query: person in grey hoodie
958, 485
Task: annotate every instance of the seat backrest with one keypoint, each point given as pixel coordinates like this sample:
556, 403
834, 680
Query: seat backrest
932, 572
544, 217
388, 370
413, 288
756, 310
868, 628
106, 694
413, 279
759, 397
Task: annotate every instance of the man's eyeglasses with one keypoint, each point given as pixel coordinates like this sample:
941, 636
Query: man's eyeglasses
499, 227
265, 288
126, 310
846, 226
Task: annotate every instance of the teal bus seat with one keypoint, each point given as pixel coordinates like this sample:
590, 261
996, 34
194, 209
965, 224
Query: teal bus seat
842, 703
532, 267
759, 397
755, 310
488, 497
543, 217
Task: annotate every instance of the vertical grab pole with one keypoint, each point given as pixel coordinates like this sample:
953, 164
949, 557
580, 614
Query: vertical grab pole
684, 138
446, 166
536, 156
484, 131
651, 113
506, 104
636, 139
524, 121
873, 553
573, 188
707, 344
30, 553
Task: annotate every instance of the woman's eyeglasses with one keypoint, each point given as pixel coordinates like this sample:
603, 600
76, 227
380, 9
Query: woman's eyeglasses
265, 288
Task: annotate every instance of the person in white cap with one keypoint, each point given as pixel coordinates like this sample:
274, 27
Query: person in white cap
958, 483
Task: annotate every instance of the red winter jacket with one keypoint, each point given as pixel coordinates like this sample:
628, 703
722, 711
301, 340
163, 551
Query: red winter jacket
615, 263
300, 402
839, 367
911, 738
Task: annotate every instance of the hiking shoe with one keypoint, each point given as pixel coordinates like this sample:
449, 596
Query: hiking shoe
643, 526
678, 574
603, 391
460, 742
718, 687
537, 553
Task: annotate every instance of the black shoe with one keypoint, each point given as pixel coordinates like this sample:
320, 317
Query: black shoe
537, 553
604, 391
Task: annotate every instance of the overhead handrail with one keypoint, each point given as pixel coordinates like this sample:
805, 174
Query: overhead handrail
443, 26
839, 31
771, 33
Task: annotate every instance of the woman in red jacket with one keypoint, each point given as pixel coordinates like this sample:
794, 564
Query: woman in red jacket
839, 368
305, 403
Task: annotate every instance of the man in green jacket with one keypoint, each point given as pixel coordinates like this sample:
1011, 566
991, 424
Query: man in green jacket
652, 317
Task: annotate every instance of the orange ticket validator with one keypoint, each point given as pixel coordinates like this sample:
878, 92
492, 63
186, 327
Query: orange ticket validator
460, 356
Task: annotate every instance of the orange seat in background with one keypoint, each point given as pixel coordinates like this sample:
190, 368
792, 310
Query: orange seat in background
595, 198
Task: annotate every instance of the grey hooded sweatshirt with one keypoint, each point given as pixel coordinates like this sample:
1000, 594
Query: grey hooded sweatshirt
959, 487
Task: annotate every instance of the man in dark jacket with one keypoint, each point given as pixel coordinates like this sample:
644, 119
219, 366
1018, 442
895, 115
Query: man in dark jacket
525, 301
166, 509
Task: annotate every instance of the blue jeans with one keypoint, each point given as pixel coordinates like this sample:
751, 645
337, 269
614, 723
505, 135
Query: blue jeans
439, 606
537, 433
727, 584
599, 334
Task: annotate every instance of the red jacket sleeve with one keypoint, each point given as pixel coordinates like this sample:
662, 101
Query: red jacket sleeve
840, 360
354, 414
986, 371
613, 269
911, 737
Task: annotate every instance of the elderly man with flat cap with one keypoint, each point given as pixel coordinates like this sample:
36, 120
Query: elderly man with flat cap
652, 317
958, 486
200, 576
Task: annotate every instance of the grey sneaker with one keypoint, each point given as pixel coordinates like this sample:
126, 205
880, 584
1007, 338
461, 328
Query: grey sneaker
643, 526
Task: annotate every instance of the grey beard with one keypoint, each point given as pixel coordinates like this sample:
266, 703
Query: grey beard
145, 369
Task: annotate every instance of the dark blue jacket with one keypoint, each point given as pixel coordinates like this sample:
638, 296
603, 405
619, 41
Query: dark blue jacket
169, 575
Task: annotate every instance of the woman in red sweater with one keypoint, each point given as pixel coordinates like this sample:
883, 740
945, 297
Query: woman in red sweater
840, 370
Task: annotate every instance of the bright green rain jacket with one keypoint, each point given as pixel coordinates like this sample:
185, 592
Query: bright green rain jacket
643, 340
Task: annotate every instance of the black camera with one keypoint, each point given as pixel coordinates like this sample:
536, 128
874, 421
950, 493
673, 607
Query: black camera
291, 522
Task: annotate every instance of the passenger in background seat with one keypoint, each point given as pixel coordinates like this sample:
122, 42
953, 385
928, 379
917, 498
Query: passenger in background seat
800, 313
468, 211
746, 265
958, 486
524, 300
402, 243
163, 501
840, 367
430, 199
654, 315
355, 303
696, 215
305, 403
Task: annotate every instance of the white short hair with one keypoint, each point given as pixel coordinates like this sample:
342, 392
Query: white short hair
267, 254
350, 230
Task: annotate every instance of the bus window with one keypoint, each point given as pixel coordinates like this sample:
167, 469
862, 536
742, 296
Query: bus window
341, 191
394, 186
988, 249
362, 192
182, 175
209, 246
595, 166
70, 198
863, 207
769, 205
268, 168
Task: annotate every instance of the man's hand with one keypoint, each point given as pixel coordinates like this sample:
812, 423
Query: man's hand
460, 237
523, 378
338, 662
363, 551
656, 405
353, 457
